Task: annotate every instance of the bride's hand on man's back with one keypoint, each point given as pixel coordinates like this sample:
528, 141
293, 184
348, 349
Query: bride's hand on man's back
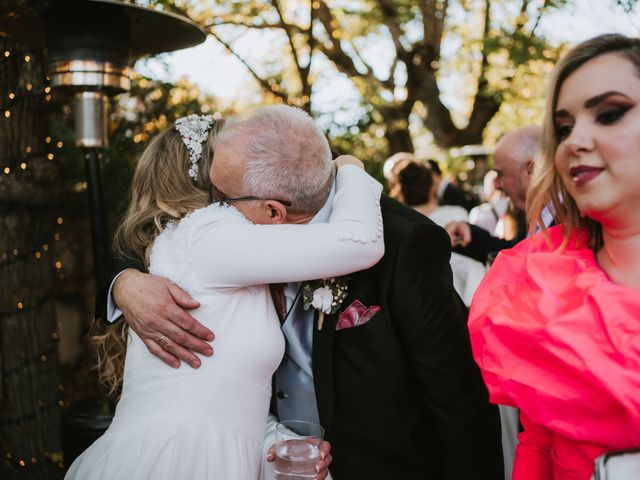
343, 160
156, 309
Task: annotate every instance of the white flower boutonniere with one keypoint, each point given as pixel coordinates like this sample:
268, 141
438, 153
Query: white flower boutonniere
325, 296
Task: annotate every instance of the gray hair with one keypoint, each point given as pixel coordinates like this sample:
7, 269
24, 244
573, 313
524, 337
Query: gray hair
286, 156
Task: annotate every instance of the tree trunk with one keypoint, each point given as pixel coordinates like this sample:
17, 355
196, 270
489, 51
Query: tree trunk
399, 140
397, 133
30, 395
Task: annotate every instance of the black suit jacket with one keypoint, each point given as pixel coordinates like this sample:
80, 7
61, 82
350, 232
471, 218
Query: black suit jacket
117, 264
453, 195
401, 397
483, 243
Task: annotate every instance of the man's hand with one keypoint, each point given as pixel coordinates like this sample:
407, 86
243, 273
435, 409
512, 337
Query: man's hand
155, 309
460, 233
322, 466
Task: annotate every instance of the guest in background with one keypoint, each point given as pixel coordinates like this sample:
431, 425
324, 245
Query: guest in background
512, 160
447, 192
393, 165
490, 214
415, 188
555, 324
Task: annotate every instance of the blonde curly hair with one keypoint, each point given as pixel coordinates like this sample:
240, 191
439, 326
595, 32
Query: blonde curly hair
161, 191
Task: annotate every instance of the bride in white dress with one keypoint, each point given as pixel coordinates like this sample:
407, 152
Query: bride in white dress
209, 423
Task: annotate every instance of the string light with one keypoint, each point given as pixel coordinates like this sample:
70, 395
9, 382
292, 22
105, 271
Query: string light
24, 461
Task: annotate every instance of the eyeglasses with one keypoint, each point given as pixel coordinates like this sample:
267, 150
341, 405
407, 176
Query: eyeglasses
216, 195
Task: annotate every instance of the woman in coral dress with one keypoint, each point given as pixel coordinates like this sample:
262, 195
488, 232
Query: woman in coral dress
555, 324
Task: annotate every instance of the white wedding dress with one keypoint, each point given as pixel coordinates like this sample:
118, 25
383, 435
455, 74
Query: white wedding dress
209, 423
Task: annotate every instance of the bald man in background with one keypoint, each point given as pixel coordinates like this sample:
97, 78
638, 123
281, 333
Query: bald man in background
513, 161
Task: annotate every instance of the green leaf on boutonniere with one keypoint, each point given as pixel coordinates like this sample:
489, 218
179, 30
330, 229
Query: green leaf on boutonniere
325, 295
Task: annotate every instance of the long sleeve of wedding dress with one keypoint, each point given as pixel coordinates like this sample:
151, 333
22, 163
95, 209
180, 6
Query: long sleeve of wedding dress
250, 254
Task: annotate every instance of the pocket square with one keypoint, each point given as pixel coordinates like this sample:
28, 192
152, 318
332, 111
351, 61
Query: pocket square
356, 314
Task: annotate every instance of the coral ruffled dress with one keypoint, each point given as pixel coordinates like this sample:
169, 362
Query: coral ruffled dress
556, 338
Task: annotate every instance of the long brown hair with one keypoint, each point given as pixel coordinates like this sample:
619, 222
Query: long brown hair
161, 191
546, 188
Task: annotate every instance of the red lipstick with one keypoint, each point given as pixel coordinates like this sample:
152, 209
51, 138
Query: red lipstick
583, 174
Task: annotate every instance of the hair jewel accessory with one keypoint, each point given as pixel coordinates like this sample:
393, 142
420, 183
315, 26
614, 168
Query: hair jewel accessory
194, 130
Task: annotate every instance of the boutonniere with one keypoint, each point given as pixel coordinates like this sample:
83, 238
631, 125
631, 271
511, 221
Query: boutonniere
325, 296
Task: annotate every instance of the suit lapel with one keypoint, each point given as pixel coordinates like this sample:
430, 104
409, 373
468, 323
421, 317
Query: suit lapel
322, 365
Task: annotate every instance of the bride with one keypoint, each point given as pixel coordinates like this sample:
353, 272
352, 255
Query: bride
208, 423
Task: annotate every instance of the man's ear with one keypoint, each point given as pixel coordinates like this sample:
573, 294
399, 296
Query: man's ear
530, 166
277, 212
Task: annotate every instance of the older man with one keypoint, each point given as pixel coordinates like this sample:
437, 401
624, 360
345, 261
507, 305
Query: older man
399, 394
513, 161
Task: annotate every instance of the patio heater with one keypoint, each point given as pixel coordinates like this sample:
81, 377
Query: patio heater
90, 46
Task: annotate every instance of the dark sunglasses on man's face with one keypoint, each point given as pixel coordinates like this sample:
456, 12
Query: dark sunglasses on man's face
216, 195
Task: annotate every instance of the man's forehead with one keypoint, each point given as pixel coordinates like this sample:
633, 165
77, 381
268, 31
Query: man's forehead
509, 157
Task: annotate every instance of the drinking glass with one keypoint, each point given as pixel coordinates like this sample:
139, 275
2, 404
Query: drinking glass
297, 449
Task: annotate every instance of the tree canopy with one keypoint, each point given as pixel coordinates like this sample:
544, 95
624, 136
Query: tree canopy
444, 66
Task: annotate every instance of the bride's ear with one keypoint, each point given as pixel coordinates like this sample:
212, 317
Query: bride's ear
277, 211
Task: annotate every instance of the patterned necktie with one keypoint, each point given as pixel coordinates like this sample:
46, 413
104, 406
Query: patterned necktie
279, 300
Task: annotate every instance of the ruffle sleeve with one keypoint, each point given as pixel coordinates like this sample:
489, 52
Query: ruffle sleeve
556, 338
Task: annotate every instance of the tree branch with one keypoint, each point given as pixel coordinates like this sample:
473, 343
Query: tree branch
485, 106
287, 31
336, 53
433, 27
538, 17
260, 26
520, 23
389, 16
263, 82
